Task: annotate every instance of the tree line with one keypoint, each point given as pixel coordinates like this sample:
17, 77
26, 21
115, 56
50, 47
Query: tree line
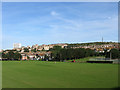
11, 56
59, 53
91, 43
113, 54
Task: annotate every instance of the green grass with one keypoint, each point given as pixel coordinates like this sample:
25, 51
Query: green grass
39, 74
87, 58
82, 59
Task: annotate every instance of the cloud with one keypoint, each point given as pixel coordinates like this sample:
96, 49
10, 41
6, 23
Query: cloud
109, 17
82, 30
53, 13
55, 25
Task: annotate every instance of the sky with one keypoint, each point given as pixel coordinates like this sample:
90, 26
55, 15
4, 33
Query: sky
40, 23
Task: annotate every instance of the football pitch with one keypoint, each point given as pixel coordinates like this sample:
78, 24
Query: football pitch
41, 74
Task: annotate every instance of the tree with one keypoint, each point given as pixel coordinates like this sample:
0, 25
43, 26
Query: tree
10, 55
46, 57
71, 53
89, 52
26, 50
114, 53
56, 52
34, 50
3, 55
17, 56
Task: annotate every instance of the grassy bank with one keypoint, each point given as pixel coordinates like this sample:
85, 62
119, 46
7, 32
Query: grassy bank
40, 74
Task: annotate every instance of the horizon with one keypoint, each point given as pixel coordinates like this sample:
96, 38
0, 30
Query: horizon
53, 22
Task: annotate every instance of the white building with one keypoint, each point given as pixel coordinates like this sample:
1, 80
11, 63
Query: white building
16, 45
46, 47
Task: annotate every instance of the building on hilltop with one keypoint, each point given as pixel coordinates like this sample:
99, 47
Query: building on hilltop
16, 45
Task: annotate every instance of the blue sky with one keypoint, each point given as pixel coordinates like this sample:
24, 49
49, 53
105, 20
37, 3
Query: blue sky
46, 23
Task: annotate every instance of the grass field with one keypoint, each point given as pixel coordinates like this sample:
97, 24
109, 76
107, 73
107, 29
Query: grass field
40, 74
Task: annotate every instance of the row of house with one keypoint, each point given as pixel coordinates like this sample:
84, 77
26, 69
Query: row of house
47, 47
40, 47
42, 50
99, 48
35, 55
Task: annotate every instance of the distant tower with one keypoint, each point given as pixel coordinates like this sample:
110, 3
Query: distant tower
102, 39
